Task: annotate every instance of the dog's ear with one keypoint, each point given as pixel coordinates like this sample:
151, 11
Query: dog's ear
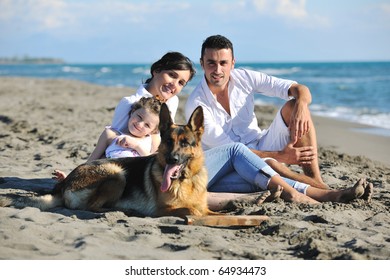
196, 121
165, 118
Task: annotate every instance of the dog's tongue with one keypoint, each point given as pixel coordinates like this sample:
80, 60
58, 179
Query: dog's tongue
169, 173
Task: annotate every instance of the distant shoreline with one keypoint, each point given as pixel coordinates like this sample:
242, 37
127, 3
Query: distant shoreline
30, 60
43, 60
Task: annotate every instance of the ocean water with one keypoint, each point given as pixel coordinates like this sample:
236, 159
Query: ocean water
354, 91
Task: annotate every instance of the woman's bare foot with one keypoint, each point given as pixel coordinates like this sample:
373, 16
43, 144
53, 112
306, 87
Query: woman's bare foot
275, 192
58, 175
298, 197
284, 171
289, 194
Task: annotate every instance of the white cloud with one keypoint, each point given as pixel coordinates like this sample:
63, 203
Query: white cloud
6, 12
290, 8
291, 11
285, 8
51, 15
260, 5
35, 14
384, 11
385, 7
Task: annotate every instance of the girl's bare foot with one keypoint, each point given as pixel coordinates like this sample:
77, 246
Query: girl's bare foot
255, 198
225, 201
58, 175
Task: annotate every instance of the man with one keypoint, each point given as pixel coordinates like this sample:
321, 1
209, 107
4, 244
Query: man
227, 97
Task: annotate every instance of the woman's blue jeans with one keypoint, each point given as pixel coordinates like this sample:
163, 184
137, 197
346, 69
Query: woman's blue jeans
234, 167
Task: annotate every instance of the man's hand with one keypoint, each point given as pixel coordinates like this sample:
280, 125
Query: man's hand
300, 120
300, 116
294, 155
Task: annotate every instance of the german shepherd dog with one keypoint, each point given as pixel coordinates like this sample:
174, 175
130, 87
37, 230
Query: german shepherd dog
171, 182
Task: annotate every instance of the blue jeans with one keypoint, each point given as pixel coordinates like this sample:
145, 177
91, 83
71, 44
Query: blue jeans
234, 167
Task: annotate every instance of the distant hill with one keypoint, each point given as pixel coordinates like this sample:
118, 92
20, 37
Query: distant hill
30, 60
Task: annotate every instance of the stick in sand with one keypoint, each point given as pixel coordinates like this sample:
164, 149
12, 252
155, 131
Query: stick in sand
226, 220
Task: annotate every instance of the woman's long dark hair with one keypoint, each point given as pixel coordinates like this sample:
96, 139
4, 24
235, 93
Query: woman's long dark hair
172, 61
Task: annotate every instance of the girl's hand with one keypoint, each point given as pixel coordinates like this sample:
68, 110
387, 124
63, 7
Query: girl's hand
127, 141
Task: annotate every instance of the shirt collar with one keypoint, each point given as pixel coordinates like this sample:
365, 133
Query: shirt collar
207, 92
143, 91
209, 95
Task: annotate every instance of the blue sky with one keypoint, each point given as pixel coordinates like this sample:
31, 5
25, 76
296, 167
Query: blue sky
119, 31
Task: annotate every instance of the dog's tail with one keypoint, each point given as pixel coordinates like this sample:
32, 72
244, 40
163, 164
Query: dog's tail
43, 202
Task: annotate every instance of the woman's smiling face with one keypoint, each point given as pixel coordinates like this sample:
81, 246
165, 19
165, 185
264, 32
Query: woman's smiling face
168, 83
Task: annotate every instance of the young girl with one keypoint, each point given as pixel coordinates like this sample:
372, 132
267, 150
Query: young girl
135, 139
132, 141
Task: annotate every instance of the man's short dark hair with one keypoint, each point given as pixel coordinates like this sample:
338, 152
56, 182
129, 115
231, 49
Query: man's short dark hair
216, 42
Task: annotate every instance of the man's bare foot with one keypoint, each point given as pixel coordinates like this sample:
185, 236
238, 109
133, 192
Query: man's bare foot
361, 189
58, 175
368, 192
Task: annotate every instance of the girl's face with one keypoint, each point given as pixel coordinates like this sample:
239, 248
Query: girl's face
168, 83
142, 123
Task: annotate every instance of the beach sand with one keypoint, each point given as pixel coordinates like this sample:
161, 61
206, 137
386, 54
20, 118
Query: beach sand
50, 124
